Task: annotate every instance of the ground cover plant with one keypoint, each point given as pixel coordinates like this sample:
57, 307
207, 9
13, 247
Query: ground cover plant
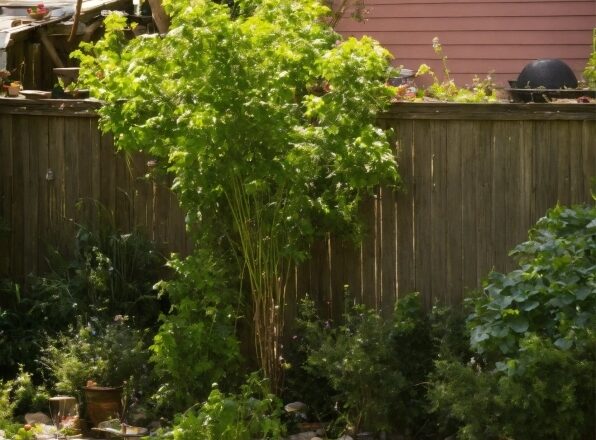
265, 117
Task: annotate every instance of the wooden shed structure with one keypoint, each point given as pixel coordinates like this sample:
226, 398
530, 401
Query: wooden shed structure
480, 36
30, 49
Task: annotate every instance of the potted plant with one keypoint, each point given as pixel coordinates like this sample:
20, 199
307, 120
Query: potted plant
100, 364
14, 88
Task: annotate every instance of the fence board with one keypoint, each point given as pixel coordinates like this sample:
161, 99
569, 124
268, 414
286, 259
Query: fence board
469, 176
423, 209
441, 162
474, 179
6, 172
453, 215
404, 209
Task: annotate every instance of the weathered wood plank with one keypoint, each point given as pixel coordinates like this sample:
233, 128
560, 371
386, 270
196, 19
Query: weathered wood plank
560, 142
82, 143
6, 192
443, 157
422, 209
96, 165
39, 167
589, 158
20, 154
469, 177
490, 112
369, 262
513, 164
57, 183
500, 142
484, 193
576, 176
453, 214
406, 270
107, 173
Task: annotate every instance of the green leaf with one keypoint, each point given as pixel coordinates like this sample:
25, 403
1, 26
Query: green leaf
563, 343
529, 305
518, 324
583, 292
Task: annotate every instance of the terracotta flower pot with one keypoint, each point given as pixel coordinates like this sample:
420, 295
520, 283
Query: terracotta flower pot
103, 403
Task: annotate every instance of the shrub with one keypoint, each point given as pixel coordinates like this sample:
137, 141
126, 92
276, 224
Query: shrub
447, 90
20, 330
531, 376
27, 397
108, 354
111, 273
196, 344
553, 293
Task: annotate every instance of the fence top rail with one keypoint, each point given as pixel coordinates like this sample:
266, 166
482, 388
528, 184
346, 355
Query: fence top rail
49, 107
402, 110
496, 111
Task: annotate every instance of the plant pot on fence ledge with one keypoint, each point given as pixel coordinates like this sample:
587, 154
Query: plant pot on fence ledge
103, 403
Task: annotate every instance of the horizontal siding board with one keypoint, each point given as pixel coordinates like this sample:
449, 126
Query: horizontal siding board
479, 36
491, 52
497, 9
490, 23
463, 3
479, 66
448, 38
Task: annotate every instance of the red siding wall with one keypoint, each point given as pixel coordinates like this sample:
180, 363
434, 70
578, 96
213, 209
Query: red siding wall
480, 35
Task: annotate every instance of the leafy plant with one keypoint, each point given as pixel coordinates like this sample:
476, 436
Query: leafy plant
447, 90
111, 273
6, 405
590, 69
14, 308
357, 360
546, 393
253, 413
553, 293
266, 123
532, 333
196, 343
26, 396
109, 354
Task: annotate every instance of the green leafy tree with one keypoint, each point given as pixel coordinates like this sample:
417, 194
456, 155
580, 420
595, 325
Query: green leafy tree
266, 119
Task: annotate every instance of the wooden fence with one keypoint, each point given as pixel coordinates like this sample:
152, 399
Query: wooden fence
475, 178
55, 165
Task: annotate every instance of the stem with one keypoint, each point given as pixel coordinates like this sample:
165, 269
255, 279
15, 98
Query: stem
259, 253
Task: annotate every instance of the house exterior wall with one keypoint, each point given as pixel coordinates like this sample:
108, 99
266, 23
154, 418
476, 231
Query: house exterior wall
479, 36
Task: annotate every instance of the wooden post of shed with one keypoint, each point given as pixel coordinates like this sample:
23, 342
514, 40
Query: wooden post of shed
47, 43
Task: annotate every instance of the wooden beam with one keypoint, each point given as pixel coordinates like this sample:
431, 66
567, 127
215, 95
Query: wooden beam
47, 43
77, 18
162, 20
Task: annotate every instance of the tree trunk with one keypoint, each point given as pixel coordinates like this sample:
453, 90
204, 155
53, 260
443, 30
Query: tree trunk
162, 21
